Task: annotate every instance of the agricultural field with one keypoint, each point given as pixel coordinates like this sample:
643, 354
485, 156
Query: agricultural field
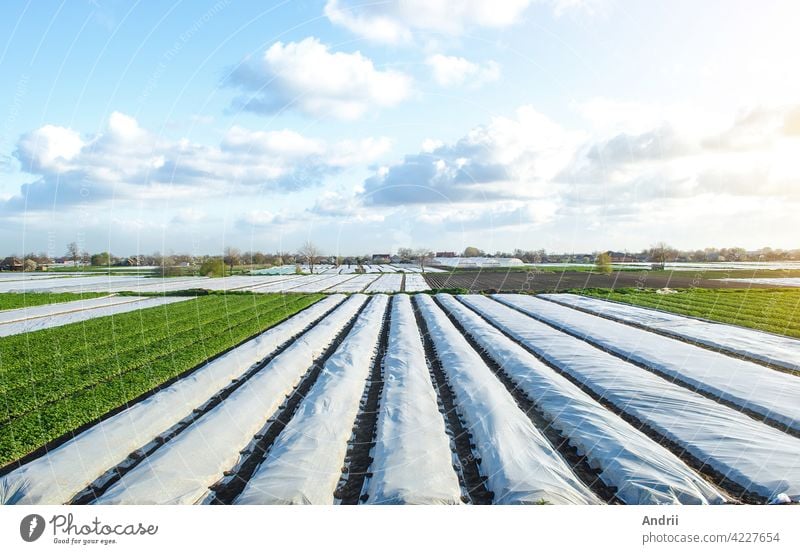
533, 280
59, 379
26, 320
773, 310
320, 281
400, 399
17, 301
388, 279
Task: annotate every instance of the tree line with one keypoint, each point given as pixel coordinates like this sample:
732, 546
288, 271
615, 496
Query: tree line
311, 255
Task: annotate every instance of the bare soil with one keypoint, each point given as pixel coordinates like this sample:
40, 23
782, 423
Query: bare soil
533, 281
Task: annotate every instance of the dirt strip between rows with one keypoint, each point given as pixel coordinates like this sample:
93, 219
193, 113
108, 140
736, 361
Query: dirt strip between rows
236, 479
358, 459
100, 485
670, 378
473, 483
711, 475
674, 336
579, 464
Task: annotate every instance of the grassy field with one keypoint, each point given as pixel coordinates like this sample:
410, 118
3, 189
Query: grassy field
12, 301
772, 310
55, 380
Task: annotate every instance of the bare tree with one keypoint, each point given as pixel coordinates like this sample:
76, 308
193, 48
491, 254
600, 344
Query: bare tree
660, 254
310, 253
73, 252
423, 256
232, 257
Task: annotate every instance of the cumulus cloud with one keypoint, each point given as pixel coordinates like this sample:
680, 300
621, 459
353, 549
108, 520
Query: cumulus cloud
597, 161
510, 158
755, 128
395, 21
127, 161
329, 206
264, 219
48, 148
749, 155
308, 76
499, 215
530, 160
336, 205
451, 71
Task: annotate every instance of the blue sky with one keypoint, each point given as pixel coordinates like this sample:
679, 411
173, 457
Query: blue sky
569, 125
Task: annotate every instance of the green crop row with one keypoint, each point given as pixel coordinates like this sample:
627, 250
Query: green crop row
756, 317
54, 394
748, 307
773, 322
775, 311
759, 311
15, 300
102, 336
48, 386
768, 300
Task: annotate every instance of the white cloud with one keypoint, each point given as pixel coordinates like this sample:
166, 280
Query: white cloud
260, 218
127, 161
48, 148
395, 21
124, 127
499, 215
510, 158
450, 71
308, 76
497, 171
343, 207
348, 153
429, 145
284, 142
750, 155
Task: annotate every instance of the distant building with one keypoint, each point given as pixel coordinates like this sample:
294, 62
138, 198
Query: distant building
381, 257
131, 261
621, 257
445, 254
11, 263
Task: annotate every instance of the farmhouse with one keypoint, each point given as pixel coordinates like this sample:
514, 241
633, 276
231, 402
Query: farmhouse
11, 263
131, 261
621, 257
